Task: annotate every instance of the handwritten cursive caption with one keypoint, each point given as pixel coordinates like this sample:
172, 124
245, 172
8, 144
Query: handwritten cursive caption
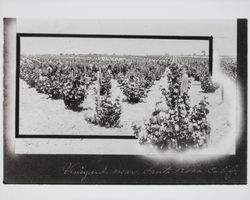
78, 169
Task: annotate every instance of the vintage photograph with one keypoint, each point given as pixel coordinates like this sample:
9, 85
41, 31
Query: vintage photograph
121, 101
173, 93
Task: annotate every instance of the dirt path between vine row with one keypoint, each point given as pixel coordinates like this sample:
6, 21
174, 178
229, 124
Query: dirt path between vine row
42, 115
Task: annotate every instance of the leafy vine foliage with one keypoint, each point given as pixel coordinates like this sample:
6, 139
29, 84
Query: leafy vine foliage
178, 127
105, 85
134, 87
57, 80
207, 84
108, 114
74, 92
228, 66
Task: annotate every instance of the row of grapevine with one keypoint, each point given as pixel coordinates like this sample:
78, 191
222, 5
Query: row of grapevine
229, 67
68, 78
199, 70
134, 81
177, 126
57, 80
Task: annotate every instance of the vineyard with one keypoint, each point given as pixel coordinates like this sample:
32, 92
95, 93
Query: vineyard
229, 66
165, 101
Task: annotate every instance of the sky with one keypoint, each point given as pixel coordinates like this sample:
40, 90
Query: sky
223, 32
46, 45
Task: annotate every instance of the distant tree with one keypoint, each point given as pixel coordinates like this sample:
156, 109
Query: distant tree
203, 52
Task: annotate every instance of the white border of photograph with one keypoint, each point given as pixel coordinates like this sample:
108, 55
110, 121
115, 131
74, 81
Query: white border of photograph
192, 9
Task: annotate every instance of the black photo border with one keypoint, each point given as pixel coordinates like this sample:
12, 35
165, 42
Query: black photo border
136, 169
103, 36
